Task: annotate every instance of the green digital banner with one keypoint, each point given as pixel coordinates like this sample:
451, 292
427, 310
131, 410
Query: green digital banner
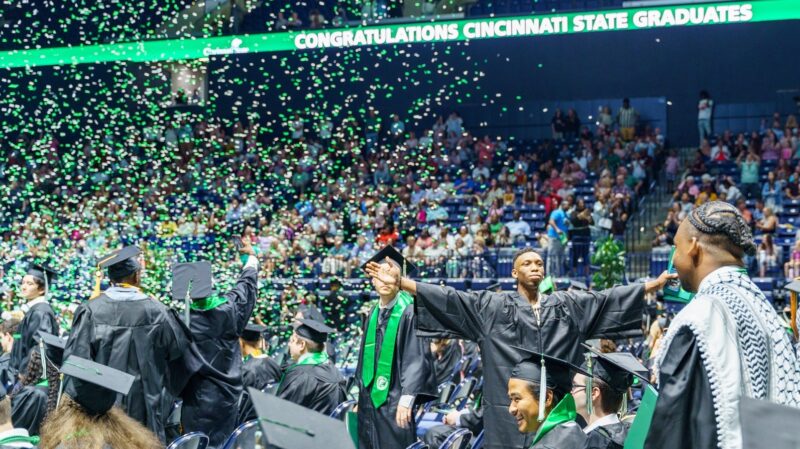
461, 30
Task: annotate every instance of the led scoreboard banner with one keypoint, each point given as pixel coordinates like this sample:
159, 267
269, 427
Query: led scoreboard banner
419, 32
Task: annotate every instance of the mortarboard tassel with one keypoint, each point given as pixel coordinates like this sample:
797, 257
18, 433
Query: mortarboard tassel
589, 386
623, 409
542, 391
44, 362
98, 279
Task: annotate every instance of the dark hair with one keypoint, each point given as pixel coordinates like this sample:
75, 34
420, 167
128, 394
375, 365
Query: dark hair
129, 279
312, 346
521, 251
34, 375
723, 226
533, 388
610, 399
704, 94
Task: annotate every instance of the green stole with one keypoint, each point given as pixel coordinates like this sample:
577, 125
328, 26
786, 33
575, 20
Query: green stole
383, 376
20, 439
564, 412
309, 358
209, 303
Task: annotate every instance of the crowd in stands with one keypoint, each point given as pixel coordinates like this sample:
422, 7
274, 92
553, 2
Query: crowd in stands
759, 173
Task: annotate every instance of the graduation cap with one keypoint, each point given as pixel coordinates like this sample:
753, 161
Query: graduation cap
119, 264
192, 279
94, 386
55, 347
43, 273
286, 425
253, 332
767, 425
617, 369
389, 252
794, 289
547, 371
313, 330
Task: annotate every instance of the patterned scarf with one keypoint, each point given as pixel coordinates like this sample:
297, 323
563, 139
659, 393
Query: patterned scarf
759, 361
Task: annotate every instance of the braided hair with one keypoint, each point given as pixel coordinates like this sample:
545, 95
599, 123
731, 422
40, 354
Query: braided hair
34, 375
723, 226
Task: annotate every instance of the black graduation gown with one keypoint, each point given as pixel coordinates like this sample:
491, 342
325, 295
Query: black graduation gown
607, 437
412, 374
257, 372
218, 383
140, 336
566, 435
496, 321
443, 367
318, 387
28, 408
684, 414
8, 377
40, 317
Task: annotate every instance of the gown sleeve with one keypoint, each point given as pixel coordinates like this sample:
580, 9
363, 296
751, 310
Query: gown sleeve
415, 361
81, 336
684, 399
37, 321
243, 296
28, 408
447, 312
608, 313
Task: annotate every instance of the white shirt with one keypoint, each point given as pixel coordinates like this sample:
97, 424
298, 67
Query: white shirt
406, 400
602, 422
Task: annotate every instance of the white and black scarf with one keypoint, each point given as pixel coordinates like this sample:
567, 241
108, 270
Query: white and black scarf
746, 351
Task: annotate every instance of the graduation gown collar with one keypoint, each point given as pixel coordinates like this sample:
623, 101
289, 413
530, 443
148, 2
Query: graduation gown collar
563, 412
38, 300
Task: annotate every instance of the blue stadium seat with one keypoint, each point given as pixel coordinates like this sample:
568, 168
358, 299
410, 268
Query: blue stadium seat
243, 436
458, 284
194, 440
457, 440
765, 284
481, 283
341, 410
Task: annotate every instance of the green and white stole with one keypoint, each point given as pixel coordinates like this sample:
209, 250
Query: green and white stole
383, 375
563, 412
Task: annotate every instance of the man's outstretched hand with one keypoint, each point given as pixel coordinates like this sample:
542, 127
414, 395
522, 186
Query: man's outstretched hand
659, 283
386, 273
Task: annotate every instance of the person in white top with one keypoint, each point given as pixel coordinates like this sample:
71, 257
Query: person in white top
705, 108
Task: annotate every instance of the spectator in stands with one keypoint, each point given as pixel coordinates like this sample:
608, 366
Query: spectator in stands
315, 19
558, 124
336, 262
741, 204
436, 213
503, 238
732, 193
749, 166
769, 148
425, 240
387, 236
720, 152
662, 238
412, 252
772, 193
767, 256
294, 21
605, 120
580, 235
768, 224
481, 170
464, 186
671, 167
619, 215
791, 269
791, 190
397, 129
785, 149
627, 118
518, 228
557, 229
705, 110
572, 124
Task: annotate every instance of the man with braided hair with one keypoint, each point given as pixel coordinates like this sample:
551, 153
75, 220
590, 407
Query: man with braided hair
726, 344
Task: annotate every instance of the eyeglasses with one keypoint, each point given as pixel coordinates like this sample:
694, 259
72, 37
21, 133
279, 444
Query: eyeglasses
578, 387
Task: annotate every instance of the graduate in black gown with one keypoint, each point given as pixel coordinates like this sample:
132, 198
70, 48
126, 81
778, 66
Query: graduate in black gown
258, 369
497, 321
395, 368
727, 344
541, 404
469, 418
312, 381
602, 397
37, 392
446, 354
8, 329
128, 330
39, 315
216, 322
